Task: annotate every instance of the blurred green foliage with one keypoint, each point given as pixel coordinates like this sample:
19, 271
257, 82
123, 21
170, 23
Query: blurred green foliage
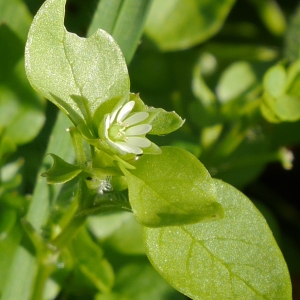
231, 69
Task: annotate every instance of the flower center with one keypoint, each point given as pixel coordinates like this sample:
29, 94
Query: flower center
116, 132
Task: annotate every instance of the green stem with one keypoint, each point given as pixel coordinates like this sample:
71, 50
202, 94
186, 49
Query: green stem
43, 273
78, 145
69, 232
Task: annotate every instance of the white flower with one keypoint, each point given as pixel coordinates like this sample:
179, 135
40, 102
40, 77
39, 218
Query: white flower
123, 132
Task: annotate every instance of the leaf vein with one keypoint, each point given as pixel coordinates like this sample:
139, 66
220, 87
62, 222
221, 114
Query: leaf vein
227, 266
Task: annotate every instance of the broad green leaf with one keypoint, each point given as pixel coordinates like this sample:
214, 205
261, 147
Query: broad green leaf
178, 24
120, 17
171, 188
233, 258
15, 14
91, 262
61, 171
75, 73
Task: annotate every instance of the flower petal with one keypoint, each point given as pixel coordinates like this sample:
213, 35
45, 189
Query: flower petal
136, 118
129, 148
114, 113
138, 141
107, 124
125, 110
138, 129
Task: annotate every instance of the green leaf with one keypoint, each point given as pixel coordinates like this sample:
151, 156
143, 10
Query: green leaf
120, 17
275, 81
228, 88
268, 112
20, 106
281, 100
120, 231
233, 258
15, 14
171, 188
75, 73
8, 246
292, 40
7, 146
8, 218
91, 263
11, 50
287, 108
61, 171
177, 24
138, 280
164, 122
21, 274
106, 16
272, 16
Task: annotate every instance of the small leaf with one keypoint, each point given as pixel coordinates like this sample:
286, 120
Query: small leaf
21, 108
171, 188
75, 73
292, 39
61, 171
287, 108
228, 88
8, 247
120, 231
233, 258
177, 24
16, 15
275, 81
8, 218
138, 280
164, 122
90, 261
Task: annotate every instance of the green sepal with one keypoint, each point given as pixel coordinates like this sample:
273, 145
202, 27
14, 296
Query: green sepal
106, 108
61, 171
164, 122
172, 188
122, 162
152, 149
